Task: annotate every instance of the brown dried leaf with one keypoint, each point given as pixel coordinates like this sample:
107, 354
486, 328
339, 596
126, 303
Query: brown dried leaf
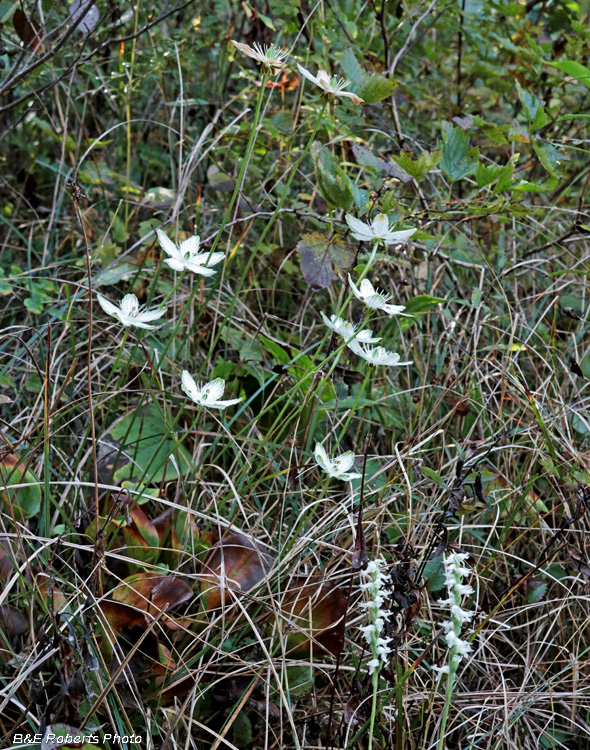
320, 256
233, 564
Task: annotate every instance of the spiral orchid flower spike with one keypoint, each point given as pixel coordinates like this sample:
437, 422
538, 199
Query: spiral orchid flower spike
375, 582
455, 571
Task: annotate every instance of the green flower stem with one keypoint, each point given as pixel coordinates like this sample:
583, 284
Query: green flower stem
374, 706
245, 162
448, 696
267, 228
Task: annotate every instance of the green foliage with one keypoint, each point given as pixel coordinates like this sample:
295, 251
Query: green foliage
332, 180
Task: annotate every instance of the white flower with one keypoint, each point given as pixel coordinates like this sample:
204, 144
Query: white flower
335, 467
186, 256
349, 330
377, 355
374, 299
130, 313
375, 584
377, 231
208, 394
272, 59
332, 86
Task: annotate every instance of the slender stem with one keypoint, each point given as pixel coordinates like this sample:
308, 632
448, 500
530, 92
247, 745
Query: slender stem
374, 706
448, 696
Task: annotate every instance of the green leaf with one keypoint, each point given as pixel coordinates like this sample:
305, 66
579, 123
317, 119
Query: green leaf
299, 680
434, 476
418, 168
350, 65
320, 255
458, 160
376, 87
332, 180
573, 69
25, 501
434, 573
144, 446
534, 109
242, 730
423, 303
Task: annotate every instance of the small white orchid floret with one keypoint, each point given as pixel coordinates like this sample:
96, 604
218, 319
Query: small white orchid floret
208, 395
379, 230
130, 313
186, 256
349, 330
332, 86
377, 355
376, 300
337, 467
271, 58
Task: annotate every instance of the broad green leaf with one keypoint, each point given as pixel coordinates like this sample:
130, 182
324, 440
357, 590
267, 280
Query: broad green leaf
242, 730
144, 445
573, 69
458, 160
418, 168
376, 87
351, 67
25, 501
534, 109
433, 475
423, 303
332, 180
320, 255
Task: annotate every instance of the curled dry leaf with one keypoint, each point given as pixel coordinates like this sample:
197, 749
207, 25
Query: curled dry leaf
314, 615
236, 564
152, 592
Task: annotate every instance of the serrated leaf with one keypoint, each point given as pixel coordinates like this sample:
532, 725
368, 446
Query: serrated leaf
350, 65
458, 160
533, 107
320, 255
418, 168
333, 182
375, 88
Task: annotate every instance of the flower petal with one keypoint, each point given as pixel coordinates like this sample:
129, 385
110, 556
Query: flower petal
175, 264
359, 229
214, 390
190, 246
108, 307
129, 305
400, 236
149, 315
367, 289
167, 245
307, 75
246, 49
190, 387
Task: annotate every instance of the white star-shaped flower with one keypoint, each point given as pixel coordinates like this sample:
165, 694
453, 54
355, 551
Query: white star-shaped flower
336, 467
374, 299
272, 59
130, 313
377, 355
348, 330
207, 395
379, 230
332, 86
186, 256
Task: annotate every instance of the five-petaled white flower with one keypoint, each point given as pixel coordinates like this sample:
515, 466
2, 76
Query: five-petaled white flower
377, 355
272, 59
377, 231
186, 256
374, 299
336, 467
349, 330
333, 86
130, 313
207, 395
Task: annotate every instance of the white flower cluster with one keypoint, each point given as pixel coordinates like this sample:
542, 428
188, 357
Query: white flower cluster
455, 571
375, 584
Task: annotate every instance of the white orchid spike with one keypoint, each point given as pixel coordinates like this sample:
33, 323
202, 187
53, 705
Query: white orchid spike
349, 330
379, 230
374, 299
332, 86
130, 313
377, 355
207, 395
271, 58
336, 467
186, 256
